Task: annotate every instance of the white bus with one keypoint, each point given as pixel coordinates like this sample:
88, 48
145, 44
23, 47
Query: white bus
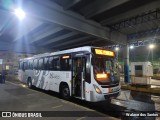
88, 73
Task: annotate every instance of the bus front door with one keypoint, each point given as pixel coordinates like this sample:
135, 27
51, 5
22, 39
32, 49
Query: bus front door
78, 77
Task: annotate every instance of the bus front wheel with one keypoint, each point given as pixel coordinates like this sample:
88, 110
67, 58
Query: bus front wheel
65, 93
29, 83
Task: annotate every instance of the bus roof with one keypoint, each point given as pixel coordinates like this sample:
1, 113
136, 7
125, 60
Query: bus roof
84, 48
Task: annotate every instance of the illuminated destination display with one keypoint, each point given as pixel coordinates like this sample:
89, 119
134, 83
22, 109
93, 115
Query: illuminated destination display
104, 52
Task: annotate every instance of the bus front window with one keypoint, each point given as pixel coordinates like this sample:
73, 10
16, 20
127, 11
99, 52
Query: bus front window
106, 70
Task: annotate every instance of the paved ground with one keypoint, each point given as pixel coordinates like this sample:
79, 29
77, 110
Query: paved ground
16, 97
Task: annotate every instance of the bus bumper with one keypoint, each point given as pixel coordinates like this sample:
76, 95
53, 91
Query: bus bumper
104, 97
112, 95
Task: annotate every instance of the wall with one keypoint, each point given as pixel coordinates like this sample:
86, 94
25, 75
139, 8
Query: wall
10, 59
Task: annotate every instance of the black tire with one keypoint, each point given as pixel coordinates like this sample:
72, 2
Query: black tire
109, 101
65, 92
30, 83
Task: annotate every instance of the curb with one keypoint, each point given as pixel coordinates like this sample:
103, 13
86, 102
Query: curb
140, 89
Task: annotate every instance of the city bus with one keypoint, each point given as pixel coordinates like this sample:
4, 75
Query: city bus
87, 73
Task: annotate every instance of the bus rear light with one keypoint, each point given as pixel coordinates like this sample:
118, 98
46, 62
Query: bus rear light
97, 89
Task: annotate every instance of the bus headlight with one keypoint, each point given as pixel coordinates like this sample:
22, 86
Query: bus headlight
97, 89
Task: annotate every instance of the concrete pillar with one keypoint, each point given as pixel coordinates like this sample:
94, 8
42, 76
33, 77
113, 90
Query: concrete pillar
126, 64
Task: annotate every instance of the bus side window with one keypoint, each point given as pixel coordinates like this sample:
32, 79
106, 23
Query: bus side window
25, 65
55, 63
50, 66
31, 64
46, 63
40, 64
35, 64
20, 65
65, 64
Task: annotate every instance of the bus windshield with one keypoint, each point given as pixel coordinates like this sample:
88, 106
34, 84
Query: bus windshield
106, 70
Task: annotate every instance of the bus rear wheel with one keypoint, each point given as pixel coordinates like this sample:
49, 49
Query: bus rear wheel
65, 92
29, 83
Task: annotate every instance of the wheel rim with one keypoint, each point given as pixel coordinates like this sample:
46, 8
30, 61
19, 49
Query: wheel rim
65, 92
29, 83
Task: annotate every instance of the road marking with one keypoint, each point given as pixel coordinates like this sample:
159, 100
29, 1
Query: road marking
57, 106
80, 118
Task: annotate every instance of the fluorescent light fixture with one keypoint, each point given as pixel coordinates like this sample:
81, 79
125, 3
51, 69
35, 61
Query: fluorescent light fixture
19, 13
151, 46
131, 47
117, 48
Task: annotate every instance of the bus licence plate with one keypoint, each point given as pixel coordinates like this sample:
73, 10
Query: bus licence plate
115, 89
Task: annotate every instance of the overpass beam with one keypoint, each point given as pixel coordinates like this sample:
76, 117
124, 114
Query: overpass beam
50, 12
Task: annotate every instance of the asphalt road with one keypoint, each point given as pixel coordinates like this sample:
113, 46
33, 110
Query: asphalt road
17, 97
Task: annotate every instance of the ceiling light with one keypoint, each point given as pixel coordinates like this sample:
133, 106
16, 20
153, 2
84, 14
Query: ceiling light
131, 47
151, 46
19, 13
117, 49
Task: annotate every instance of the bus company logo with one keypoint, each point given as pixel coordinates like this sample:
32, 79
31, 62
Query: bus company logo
6, 114
36, 72
53, 76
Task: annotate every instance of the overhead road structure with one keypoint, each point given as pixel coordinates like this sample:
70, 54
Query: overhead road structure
139, 10
58, 25
41, 29
135, 44
71, 20
143, 35
139, 19
126, 16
